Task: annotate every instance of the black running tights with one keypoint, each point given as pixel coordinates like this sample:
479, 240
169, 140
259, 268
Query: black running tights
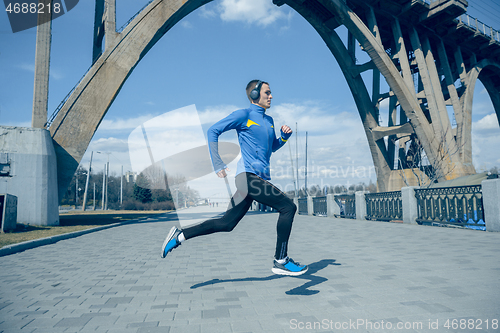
251, 187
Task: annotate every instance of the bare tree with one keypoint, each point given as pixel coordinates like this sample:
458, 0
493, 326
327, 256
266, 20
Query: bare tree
425, 171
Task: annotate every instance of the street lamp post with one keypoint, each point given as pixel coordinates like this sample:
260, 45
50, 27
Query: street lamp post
105, 182
103, 185
76, 190
121, 188
176, 197
87, 183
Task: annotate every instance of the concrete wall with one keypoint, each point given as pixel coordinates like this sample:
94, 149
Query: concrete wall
32, 173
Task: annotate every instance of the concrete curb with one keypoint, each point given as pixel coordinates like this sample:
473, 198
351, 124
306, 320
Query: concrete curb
23, 246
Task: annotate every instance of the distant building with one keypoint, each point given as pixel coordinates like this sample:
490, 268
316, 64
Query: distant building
131, 177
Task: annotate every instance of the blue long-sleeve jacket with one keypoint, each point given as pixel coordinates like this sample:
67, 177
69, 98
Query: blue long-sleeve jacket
256, 137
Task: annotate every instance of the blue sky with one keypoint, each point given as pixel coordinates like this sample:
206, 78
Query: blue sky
206, 60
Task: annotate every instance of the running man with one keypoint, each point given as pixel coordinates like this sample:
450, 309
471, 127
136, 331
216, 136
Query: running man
257, 141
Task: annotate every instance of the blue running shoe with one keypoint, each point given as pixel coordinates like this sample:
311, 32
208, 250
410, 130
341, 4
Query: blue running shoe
290, 267
171, 242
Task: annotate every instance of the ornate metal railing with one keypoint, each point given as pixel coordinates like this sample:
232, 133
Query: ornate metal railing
303, 206
475, 24
347, 204
384, 206
461, 205
479, 26
61, 104
319, 206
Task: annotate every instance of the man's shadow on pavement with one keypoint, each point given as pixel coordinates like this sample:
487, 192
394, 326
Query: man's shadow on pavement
301, 290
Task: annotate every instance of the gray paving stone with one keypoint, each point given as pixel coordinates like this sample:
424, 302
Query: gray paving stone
216, 328
223, 283
164, 306
215, 313
126, 319
31, 313
144, 324
141, 288
40, 323
73, 322
50, 330
185, 329
103, 306
159, 329
103, 321
119, 300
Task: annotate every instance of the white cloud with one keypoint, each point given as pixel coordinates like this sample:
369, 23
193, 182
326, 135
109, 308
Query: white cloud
118, 155
54, 73
109, 144
205, 12
287, 26
186, 24
483, 106
384, 104
338, 152
120, 124
19, 124
319, 120
488, 122
260, 12
212, 114
485, 140
168, 134
482, 102
27, 67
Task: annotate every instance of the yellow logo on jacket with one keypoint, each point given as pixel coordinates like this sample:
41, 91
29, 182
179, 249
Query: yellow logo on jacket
251, 122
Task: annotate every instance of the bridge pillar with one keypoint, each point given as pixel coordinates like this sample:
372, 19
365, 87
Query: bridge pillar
332, 207
360, 205
490, 189
42, 64
310, 205
28, 164
410, 207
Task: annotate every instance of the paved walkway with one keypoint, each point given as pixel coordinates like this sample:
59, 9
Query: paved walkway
363, 277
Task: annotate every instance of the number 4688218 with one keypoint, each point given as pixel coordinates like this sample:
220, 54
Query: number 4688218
33, 8
478, 324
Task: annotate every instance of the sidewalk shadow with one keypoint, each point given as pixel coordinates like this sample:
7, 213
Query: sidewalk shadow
304, 290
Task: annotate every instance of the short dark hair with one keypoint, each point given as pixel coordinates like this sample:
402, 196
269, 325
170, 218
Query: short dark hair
251, 85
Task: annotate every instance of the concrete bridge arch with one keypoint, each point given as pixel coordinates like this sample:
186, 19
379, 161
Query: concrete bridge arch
485, 71
83, 111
